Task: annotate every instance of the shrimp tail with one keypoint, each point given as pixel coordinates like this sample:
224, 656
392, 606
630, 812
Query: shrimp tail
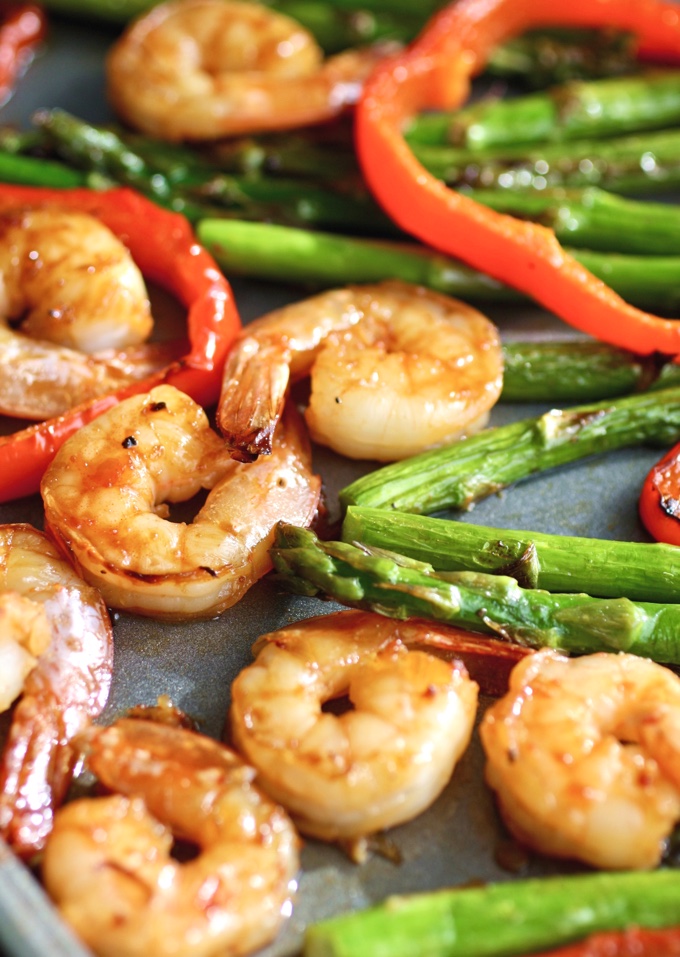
254, 386
67, 689
34, 777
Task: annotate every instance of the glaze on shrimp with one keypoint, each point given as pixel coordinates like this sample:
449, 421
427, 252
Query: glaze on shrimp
206, 69
64, 687
106, 496
584, 757
72, 299
108, 865
394, 369
380, 763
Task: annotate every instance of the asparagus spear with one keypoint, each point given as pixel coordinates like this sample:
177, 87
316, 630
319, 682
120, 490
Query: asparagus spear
573, 110
272, 251
540, 58
337, 29
561, 563
592, 218
457, 475
29, 171
501, 919
337, 199
203, 191
574, 370
624, 164
401, 587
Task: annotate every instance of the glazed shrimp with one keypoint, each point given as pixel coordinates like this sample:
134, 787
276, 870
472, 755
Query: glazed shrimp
395, 369
584, 757
206, 69
67, 686
344, 776
108, 867
105, 496
72, 298
24, 635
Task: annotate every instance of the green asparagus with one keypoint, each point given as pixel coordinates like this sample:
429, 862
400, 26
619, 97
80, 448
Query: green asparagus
205, 192
500, 920
318, 259
539, 58
262, 177
570, 111
400, 587
630, 164
459, 474
579, 370
335, 29
559, 563
30, 172
574, 370
592, 218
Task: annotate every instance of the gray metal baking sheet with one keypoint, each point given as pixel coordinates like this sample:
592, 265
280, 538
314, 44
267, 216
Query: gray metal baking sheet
459, 839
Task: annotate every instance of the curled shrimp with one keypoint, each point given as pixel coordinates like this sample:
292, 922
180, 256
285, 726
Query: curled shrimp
584, 757
64, 686
108, 867
106, 493
206, 69
344, 776
395, 369
72, 298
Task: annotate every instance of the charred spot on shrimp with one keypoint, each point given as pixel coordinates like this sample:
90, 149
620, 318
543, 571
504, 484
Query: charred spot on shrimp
181, 528
394, 369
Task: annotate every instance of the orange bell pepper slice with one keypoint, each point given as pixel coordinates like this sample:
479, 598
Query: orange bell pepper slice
435, 72
165, 249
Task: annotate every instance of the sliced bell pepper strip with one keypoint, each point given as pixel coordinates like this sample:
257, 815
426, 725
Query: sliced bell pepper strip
635, 942
165, 249
435, 72
659, 502
22, 28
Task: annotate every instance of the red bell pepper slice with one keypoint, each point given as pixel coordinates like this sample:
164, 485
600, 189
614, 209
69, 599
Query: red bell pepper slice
636, 942
435, 72
164, 247
659, 503
22, 28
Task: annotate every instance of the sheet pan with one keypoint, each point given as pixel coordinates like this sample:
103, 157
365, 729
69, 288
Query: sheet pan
459, 839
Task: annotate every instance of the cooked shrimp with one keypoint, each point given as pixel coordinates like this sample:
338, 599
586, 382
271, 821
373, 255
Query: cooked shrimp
68, 286
108, 866
395, 369
71, 280
24, 635
584, 757
105, 494
344, 776
40, 380
68, 686
206, 69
